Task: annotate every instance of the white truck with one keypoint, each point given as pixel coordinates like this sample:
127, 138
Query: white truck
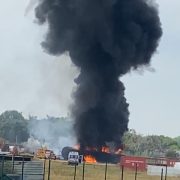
73, 158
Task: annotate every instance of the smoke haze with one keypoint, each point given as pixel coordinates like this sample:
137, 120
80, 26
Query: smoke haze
54, 133
105, 40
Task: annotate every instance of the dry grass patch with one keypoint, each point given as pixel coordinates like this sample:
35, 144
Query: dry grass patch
60, 170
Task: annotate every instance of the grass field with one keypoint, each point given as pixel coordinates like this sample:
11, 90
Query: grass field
61, 171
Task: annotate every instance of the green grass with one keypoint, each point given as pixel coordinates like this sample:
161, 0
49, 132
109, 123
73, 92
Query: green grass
62, 171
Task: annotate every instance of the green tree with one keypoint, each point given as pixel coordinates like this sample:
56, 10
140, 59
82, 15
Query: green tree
171, 154
132, 142
13, 127
151, 145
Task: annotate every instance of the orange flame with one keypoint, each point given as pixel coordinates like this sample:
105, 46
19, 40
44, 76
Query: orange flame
105, 149
90, 159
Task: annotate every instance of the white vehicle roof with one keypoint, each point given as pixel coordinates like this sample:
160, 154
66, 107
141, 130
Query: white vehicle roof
73, 153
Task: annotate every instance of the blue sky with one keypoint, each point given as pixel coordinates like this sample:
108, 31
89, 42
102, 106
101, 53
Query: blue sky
33, 82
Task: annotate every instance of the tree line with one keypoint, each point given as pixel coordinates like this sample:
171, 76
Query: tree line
151, 145
15, 128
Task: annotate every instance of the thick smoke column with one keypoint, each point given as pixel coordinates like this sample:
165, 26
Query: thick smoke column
105, 39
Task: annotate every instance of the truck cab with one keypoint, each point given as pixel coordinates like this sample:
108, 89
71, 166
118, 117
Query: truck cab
73, 158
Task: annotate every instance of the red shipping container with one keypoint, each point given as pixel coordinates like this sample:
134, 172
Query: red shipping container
133, 162
171, 162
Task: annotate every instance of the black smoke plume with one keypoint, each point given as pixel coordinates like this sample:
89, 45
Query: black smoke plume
105, 40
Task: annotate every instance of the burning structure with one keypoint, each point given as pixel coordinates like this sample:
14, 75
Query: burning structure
105, 40
93, 155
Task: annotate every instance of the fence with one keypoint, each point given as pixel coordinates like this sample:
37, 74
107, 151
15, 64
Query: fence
168, 171
60, 170
21, 169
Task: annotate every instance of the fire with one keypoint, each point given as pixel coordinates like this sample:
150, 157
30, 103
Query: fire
105, 149
89, 159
